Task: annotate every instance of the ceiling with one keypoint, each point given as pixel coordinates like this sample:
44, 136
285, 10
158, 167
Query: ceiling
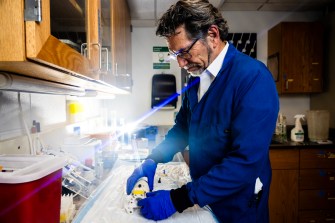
146, 12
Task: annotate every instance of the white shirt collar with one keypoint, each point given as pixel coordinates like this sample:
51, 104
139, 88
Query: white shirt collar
216, 65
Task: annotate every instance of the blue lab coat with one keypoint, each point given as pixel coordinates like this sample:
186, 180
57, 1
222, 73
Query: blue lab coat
228, 133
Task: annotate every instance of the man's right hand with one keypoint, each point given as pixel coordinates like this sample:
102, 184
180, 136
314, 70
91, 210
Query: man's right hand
147, 169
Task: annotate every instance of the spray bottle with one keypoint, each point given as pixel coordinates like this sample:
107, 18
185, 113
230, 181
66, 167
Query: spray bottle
297, 133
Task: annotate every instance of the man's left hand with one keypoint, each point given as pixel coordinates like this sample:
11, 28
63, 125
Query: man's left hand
157, 206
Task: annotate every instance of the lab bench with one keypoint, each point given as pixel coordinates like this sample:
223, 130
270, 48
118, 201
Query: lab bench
302, 188
107, 202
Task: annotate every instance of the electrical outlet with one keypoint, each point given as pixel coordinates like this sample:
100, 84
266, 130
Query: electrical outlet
15, 146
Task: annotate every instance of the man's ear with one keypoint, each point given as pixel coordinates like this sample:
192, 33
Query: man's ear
213, 35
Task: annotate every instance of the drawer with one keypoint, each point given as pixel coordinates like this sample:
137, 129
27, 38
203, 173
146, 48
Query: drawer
284, 159
317, 178
321, 216
316, 199
317, 158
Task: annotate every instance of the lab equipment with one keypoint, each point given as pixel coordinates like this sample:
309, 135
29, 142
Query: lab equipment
281, 132
146, 169
79, 179
83, 148
139, 192
67, 209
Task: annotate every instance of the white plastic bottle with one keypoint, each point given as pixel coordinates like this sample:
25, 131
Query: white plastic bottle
297, 133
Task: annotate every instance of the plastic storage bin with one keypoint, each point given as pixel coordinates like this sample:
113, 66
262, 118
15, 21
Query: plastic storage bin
318, 125
83, 151
30, 188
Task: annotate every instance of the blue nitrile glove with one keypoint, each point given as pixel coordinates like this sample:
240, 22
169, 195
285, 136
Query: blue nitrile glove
157, 206
147, 169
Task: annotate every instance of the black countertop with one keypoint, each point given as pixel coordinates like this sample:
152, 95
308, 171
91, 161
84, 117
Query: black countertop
306, 144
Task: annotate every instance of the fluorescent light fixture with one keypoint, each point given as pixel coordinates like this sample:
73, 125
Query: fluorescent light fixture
98, 94
13, 82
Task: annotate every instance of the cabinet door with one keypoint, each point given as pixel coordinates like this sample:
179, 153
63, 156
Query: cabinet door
12, 41
42, 47
316, 179
120, 35
320, 199
318, 216
292, 57
317, 158
94, 38
283, 200
300, 49
313, 80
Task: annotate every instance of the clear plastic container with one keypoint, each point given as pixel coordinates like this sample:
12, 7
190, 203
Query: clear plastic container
318, 125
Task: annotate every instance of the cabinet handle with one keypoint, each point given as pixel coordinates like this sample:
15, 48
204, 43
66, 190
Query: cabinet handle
316, 79
330, 155
116, 73
330, 198
105, 49
99, 47
288, 80
330, 219
83, 49
327, 155
315, 63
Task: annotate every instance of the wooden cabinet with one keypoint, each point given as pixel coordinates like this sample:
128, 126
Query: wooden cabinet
121, 37
303, 185
283, 200
33, 48
317, 185
26, 41
121, 42
295, 56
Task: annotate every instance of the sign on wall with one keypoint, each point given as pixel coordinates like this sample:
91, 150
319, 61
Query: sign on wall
161, 57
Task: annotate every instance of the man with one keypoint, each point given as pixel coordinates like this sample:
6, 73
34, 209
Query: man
227, 119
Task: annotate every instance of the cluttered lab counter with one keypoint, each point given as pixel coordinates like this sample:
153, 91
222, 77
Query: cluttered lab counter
110, 203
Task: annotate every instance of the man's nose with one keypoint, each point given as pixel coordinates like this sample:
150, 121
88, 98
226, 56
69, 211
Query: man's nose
182, 62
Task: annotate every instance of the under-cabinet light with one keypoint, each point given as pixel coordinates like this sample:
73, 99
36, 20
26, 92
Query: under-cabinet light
14, 82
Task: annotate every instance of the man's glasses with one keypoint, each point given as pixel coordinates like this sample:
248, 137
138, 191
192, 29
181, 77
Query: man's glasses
182, 53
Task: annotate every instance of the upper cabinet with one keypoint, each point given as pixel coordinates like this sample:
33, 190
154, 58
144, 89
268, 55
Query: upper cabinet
295, 56
121, 42
71, 43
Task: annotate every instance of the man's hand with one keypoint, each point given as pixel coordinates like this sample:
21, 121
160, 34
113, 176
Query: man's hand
147, 169
157, 206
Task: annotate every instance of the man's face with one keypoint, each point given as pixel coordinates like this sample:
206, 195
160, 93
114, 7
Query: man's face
198, 52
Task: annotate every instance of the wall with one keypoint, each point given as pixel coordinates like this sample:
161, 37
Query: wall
46, 109
137, 105
326, 99
49, 110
